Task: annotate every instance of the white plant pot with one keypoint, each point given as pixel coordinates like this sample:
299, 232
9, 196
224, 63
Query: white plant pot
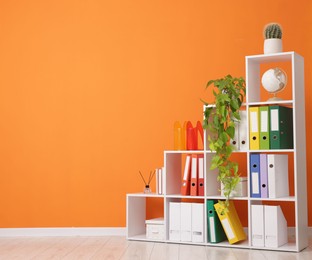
272, 46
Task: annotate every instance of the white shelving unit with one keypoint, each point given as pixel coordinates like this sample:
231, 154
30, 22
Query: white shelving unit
173, 164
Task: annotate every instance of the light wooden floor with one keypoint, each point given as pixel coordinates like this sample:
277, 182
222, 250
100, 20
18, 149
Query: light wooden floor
114, 247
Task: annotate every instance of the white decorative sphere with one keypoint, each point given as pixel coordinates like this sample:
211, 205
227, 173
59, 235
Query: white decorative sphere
274, 80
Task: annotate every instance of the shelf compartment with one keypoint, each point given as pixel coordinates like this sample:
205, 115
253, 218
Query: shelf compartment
140, 208
175, 164
255, 67
288, 209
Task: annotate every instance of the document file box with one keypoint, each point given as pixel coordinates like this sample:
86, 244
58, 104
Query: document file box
278, 175
281, 127
255, 175
186, 223
275, 227
215, 230
231, 223
198, 222
174, 221
264, 128
254, 128
257, 225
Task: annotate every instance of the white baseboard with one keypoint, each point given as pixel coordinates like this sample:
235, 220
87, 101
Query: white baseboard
52, 232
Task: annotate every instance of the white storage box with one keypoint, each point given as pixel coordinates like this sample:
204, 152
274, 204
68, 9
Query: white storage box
240, 189
155, 229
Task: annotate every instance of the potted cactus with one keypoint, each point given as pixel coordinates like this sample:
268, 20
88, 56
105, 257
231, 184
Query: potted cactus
273, 38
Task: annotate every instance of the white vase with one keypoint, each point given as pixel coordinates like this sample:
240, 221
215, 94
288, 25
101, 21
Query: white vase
272, 46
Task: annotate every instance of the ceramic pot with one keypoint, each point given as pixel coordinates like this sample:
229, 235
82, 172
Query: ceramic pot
272, 46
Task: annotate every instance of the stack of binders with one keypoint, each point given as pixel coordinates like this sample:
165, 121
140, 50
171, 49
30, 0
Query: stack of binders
268, 226
186, 222
193, 176
270, 127
269, 175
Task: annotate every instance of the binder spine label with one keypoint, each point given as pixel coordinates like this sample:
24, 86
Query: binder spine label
212, 230
228, 229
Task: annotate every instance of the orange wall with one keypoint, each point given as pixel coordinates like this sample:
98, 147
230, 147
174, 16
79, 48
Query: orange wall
89, 91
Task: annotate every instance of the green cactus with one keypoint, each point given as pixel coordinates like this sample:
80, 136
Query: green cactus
273, 30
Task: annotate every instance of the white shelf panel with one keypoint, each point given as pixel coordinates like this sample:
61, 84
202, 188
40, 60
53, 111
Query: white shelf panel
234, 151
182, 151
218, 197
179, 196
146, 195
273, 151
274, 57
281, 102
213, 105
288, 199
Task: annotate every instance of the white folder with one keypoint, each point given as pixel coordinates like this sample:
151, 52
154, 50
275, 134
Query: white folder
275, 227
257, 225
278, 175
198, 222
186, 221
243, 134
174, 221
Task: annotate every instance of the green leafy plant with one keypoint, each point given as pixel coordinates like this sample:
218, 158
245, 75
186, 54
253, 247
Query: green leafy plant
273, 31
219, 119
